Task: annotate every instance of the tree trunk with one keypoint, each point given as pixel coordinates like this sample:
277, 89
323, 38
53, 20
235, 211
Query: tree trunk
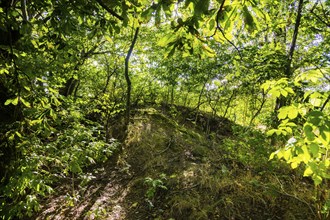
128, 80
282, 101
172, 95
288, 71
70, 87
199, 100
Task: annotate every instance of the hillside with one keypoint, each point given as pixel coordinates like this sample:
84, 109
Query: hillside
174, 165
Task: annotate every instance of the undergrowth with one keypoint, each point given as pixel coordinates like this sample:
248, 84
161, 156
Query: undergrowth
178, 168
43, 151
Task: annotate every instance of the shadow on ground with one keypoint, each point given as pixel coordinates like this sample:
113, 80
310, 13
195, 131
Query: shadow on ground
101, 198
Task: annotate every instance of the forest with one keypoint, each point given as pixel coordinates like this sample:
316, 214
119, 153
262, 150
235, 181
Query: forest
165, 109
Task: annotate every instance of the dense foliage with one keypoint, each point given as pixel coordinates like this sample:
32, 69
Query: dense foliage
72, 72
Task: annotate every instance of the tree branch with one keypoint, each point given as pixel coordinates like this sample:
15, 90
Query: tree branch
24, 11
320, 19
112, 12
218, 27
325, 103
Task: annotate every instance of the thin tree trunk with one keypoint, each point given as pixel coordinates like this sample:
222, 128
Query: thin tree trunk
76, 89
282, 101
228, 103
200, 95
172, 95
199, 100
108, 75
263, 101
288, 71
128, 80
186, 97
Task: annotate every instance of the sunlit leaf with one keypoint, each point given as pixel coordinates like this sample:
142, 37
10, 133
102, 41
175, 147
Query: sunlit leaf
292, 113
12, 101
308, 171
25, 103
317, 179
283, 113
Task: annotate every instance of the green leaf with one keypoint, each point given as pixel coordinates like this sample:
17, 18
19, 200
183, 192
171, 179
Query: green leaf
315, 114
293, 113
314, 149
166, 40
147, 14
309, 132
18, 134
291, 124
27, 104
317, 179
288, 129
289, 90
305, 156
9, 101
108, 38
284, 93
212, 24
12, 101
208, 51
275, 93
287, 154
272, 155
75, 167
294, 165
15, 101
308, 171
282, 113
265, 86
248, 19
316, 102
271, 132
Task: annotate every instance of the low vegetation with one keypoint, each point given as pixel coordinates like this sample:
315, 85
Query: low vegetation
164, 109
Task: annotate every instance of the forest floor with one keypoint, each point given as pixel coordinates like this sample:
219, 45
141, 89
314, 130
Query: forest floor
177, 164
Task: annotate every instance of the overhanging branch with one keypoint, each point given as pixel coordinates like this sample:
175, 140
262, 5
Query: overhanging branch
112, 12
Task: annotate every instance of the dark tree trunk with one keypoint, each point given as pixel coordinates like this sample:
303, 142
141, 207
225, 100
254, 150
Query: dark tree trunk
70, 87
282, 101
128, 80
